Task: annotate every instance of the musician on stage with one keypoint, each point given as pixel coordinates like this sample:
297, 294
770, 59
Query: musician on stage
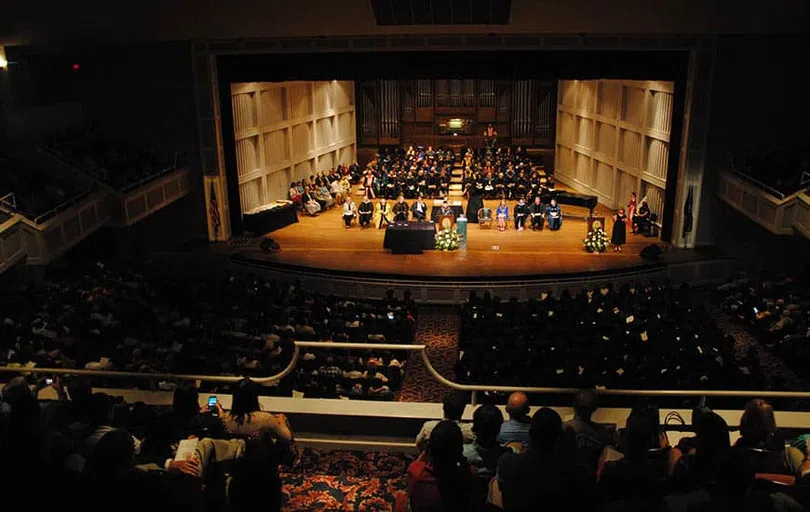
401, 210
537, 211
366, 211
383, 213
521, 212
490, 136
419, 209
349, 211
554, 215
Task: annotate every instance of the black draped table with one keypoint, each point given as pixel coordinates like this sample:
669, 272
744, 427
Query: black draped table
436, 211
409, 237
265, 220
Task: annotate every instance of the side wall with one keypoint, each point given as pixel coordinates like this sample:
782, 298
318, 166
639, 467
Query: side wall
288, 131
613, 138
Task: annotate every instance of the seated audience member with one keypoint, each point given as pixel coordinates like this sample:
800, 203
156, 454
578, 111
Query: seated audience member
400, 210
440, 479
246, 419
366, 211
545, 473
255, 479
311, 205
349, 211
516, 428
484, 452
588, 437
696, 462
419, 209
453, 405
758, 445
637, 479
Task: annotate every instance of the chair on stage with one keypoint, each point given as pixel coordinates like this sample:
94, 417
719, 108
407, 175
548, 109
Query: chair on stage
485, 217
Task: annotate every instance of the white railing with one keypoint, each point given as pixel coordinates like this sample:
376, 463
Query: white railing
473, 388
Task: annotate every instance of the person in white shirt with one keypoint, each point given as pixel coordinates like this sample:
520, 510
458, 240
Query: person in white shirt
453, 405
349, 211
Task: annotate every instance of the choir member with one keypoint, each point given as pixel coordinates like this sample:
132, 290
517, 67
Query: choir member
366, 211
349, 211
554, 215
310, 204
384, 213
419, 209
368, 184
631, 210
400, 210
521, 212
537, 211
619, 235
502, 214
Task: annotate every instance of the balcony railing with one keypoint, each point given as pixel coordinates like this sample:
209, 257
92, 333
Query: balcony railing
474, 389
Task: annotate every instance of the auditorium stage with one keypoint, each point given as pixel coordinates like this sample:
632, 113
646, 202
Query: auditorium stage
323, 243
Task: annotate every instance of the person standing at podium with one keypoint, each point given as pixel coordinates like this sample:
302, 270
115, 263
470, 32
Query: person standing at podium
366, 211
446, 210
400, 210
419, 209
554, 215
521, 212
383, 212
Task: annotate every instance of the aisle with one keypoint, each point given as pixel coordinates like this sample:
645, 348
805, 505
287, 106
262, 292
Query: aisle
345, 480
438, 329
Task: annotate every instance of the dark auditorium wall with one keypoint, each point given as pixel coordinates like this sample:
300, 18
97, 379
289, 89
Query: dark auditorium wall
145, 94
759, 101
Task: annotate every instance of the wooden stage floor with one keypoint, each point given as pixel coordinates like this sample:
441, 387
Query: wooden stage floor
323, 242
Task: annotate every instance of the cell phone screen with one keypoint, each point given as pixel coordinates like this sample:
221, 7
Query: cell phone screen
212, 402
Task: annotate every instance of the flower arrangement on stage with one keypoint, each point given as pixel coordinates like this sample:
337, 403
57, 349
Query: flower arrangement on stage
447, 240
597, 240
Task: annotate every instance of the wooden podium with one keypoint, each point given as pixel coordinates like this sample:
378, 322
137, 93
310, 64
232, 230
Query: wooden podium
445, 222
594, 220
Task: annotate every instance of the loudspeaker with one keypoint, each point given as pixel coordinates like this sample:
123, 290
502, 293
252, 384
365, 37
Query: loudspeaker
651, 252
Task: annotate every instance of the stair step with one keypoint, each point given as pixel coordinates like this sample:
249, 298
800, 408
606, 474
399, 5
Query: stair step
455, 186
456, 179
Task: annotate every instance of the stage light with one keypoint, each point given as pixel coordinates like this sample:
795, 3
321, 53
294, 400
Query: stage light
3, 60
75, 67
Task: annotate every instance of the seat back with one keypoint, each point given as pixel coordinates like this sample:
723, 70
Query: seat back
484, 214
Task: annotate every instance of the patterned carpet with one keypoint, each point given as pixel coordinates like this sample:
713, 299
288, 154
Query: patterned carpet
438, 329
778, 376
346, 480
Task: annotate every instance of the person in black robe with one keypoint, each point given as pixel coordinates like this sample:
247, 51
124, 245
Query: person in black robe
619, 235
366, 211
401, 210
538, 210
521, 212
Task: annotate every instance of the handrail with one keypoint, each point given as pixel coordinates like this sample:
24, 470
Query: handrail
473, 388
142, 375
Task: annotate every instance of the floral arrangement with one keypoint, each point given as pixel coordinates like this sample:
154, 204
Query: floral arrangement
597, 240
447, 240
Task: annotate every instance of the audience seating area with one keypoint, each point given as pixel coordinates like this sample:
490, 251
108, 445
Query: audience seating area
38, 191
776, 310
649, 336
191, 457
118, 164
783, 170
132, 316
